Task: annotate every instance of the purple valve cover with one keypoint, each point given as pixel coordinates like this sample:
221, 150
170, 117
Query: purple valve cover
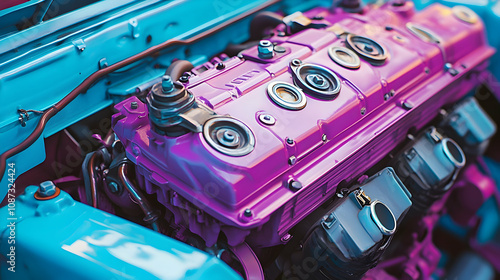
326, 142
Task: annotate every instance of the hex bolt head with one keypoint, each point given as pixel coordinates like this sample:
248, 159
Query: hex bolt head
292, 160
265, 49
248, 213
167, 85
324, 138
289, 141
295, 185
134, 105
184, 79
47, 189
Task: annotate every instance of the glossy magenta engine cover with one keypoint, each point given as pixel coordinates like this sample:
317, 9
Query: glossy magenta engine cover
422, 61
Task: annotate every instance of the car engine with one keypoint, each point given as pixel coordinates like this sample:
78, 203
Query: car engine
261, 140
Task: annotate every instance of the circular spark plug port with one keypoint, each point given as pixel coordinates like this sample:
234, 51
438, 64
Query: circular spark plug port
367, 48
229, 136
317, 81
344, 57
286, 95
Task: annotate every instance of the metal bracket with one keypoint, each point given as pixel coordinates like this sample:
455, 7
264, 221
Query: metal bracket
134, 28
80, 45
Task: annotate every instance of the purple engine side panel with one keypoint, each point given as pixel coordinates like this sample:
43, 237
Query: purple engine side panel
360, 126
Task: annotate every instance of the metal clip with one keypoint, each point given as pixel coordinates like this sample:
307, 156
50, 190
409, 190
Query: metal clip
434, 135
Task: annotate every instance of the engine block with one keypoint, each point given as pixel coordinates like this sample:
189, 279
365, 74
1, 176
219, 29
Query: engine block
298, 114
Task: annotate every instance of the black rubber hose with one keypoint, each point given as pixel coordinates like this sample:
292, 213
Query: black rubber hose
263, 21
177, 68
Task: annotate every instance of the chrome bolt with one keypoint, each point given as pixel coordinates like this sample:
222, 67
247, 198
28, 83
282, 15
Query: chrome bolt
166, 83
248, 213
292, 160
265, 49
267, 119
134, 105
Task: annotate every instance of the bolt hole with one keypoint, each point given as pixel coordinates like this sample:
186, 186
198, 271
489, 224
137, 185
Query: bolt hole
149, 39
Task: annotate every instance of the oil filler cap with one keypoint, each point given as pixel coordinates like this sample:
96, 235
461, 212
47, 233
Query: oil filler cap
229, 136
316, 80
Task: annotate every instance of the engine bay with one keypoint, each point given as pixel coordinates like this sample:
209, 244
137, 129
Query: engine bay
284, 140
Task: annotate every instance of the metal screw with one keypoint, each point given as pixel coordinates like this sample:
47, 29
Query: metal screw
184, 78
266, 49
267, 119
449, 67
248, 213
47, 189
324, 138
220, 66
392, 92
363, 111
281, 34
294, 185
407, 105
292, 160
289, 141
386, 96
166, 83
113, 187
134, 105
